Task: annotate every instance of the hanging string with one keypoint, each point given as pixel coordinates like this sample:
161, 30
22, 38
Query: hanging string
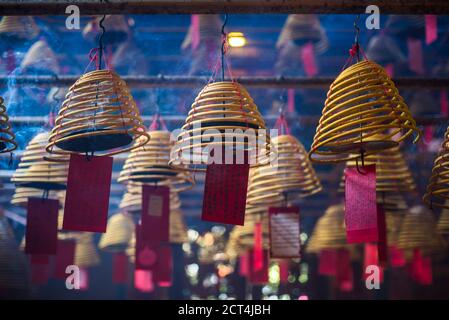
224, 46
100, 42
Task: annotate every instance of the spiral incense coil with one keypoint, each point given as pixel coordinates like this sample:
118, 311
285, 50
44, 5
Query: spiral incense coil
393, 203
437, 192
419, 230
329, 231
233, 248
86, 254
116, 26
291, 176
149, 164
178, 229
18, 27
301, 29
7, 138
99, 115
393, 223
361, 103
21, 195
40, 59
35, 172
222, 112
392, 171
118, 233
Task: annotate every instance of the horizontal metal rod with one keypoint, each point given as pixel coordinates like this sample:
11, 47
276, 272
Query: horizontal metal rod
95, 7
162, 81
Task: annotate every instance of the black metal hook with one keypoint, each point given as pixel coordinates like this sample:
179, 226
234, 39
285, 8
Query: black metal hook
89, 157
357, 33
100, 42
223, 44
362, 158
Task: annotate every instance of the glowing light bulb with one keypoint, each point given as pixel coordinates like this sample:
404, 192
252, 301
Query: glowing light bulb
236, 39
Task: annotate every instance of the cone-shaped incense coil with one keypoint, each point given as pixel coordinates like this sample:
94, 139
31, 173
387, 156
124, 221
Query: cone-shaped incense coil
437, 192
233, 247
392, 171
149, 164
7, 138
209, 26
384, 49
301, 29
246, 232
41, 59
14, 279
418, 230
99, 115
21, 195
18, 27
392, 202
36, 172
361, 103
222, 112
292, 175
443, 222
116, 26
393, 222
178, 229
86, 254
119, 231
329, 231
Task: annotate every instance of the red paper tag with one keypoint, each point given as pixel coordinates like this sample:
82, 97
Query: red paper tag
371, 258
284, 266
244, 264
382, 247
291, 100
87, 196
389, 68
145, 252
444, 105
258, 247
397, 258
258, 276
225, 193
162, 271
431, 28
40, 273
195, 35
308, 59
421, 268
41, 259
344, 276
328, 262
42, 226
415, 55
64, 257
360, 205
285, 239
155, 214
119, 268
84, 279
143, 280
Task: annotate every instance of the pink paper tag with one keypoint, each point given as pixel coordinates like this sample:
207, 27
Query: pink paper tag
291, 100
225, 193
382, 246
389, 68
327, 262
415, 55
145, 255
284, 266
143, 280
119, 268
421, 268
371, 258
65, 257
244, 264
84, 279
195, 35
308, 59
397, 257
87, 196
444, 105
42, 226
360, 205
284, 232
162, 271
155, 214
431, 28
258, 276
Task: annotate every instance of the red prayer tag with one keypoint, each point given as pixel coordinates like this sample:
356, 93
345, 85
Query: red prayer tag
119, 268
397, 257
40, 274
284, 271
162, 271
284, 227
415, 55
87, 196
155, 214
145, 255
42, 226
328, 262
291, 100
225, 193
360, 205
431, 28
84, 279
308, 60
244, 264
258, 276
382, 248
41, 259
344, 276
371, 258
421, 268
64, 257
195, 31
258, 247
143, 280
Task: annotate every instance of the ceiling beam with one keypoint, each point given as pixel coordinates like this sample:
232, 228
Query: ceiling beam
96, 7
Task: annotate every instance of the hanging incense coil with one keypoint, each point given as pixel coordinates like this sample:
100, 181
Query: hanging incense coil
437, 192
116, 30
14, 274
21, 195
291, 176
18, 28
35, 172
419, 230
178, 229
86, 254
222, 112
7, 138
361, 103
301, 29
443, 222
393, 224
233, 248
118, 233
329, 231
40, 59
384, 50
149, 164
393, 203
99, 115
209, 26
392, 171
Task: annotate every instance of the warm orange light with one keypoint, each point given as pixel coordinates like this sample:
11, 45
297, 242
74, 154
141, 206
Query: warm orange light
236, 39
